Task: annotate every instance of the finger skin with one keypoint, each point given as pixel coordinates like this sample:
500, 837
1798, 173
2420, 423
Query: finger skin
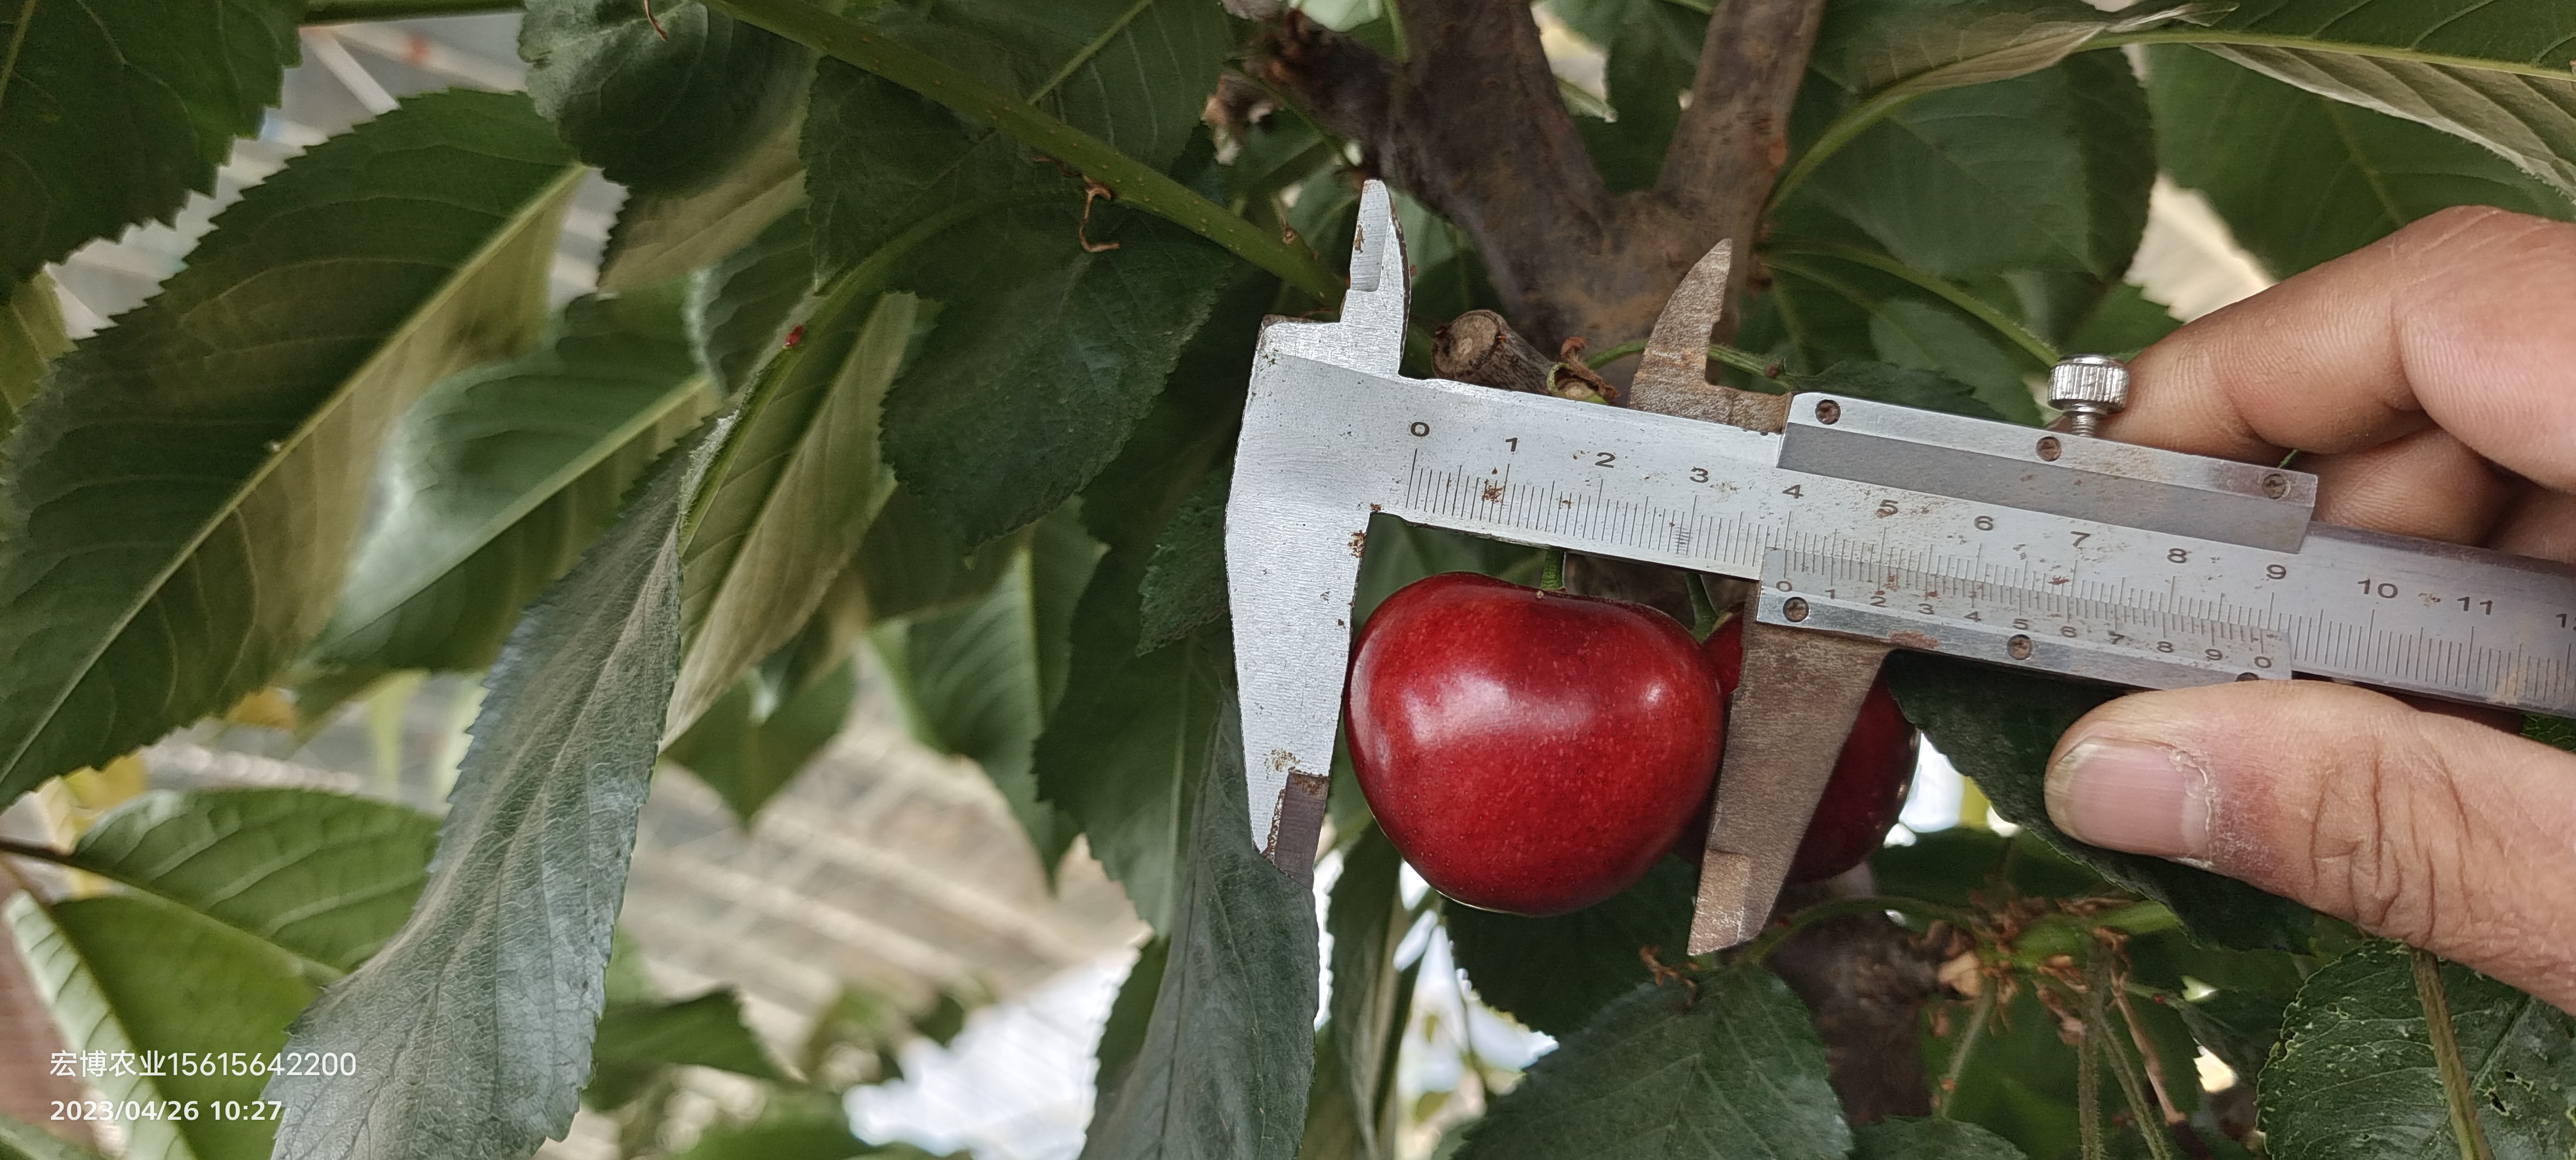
2459, 320
2446, 834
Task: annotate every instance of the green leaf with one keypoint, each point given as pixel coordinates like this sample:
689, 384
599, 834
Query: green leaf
1122, 1037
126, 973
1998, 727
1134, 73
911, 564
662, 100
1049, 353
1045, 360
1188, 430
747, 754
177, 507
2123, 323
1371, 1001
741, 309
791, 494
1729, 1065
2554, 731
2491, 71
31, 334
1135, 182
1903, 386
2241, 1028
1827, 307
661, 236
2020, 1082
2045, 171
636, 1039
1922, 46
2302, 178
1554, 974
326, 877
1184, 585
1904, 1139
879, 158
20, 1140
1121, 752
1224, 1064
472, 1030
500, 476
1884, 54
239, 897
1924, 339
112, 114
1950, 866
1653, 55
981, 681
2355, 1076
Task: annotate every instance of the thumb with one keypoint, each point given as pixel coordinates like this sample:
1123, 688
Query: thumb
2447, 834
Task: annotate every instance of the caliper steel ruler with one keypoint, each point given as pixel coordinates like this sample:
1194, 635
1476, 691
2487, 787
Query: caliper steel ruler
1921, 530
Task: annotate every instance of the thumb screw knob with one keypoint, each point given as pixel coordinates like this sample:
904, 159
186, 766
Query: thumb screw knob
2088, 388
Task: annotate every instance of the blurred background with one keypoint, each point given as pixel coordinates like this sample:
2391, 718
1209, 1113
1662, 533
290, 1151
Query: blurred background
886, 919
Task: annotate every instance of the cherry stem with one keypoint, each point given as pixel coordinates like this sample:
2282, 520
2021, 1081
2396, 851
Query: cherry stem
1980, 1013
2088, 1084
1551, 570
2099, 984
1703, 610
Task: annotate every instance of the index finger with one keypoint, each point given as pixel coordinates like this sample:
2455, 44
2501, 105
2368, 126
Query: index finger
2464, 320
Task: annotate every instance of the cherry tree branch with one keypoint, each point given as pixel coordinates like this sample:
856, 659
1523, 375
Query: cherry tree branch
1471, 125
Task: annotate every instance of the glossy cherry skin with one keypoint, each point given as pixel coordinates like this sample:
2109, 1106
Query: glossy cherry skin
1868, 786
1531, 752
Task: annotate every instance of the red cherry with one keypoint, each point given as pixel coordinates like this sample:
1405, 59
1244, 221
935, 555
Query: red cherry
1868, 787
1531, 752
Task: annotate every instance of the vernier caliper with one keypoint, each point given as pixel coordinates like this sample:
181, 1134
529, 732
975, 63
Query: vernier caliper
1866, 527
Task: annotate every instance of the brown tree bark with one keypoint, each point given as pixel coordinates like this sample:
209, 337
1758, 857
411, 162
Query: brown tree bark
1471, 125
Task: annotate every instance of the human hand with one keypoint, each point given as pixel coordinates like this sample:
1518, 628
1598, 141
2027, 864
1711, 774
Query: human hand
2431, 378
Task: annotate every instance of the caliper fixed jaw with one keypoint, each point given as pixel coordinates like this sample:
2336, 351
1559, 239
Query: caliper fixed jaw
1293, 539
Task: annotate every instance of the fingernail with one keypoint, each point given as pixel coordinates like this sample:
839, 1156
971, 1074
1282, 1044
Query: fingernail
2134, 796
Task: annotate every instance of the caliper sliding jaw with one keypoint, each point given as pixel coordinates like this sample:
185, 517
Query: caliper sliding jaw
1800, 691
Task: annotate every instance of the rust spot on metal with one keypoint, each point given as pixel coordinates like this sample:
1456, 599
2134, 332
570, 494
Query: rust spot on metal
1377, 507
1493, 493
1359, 543
1908, 638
